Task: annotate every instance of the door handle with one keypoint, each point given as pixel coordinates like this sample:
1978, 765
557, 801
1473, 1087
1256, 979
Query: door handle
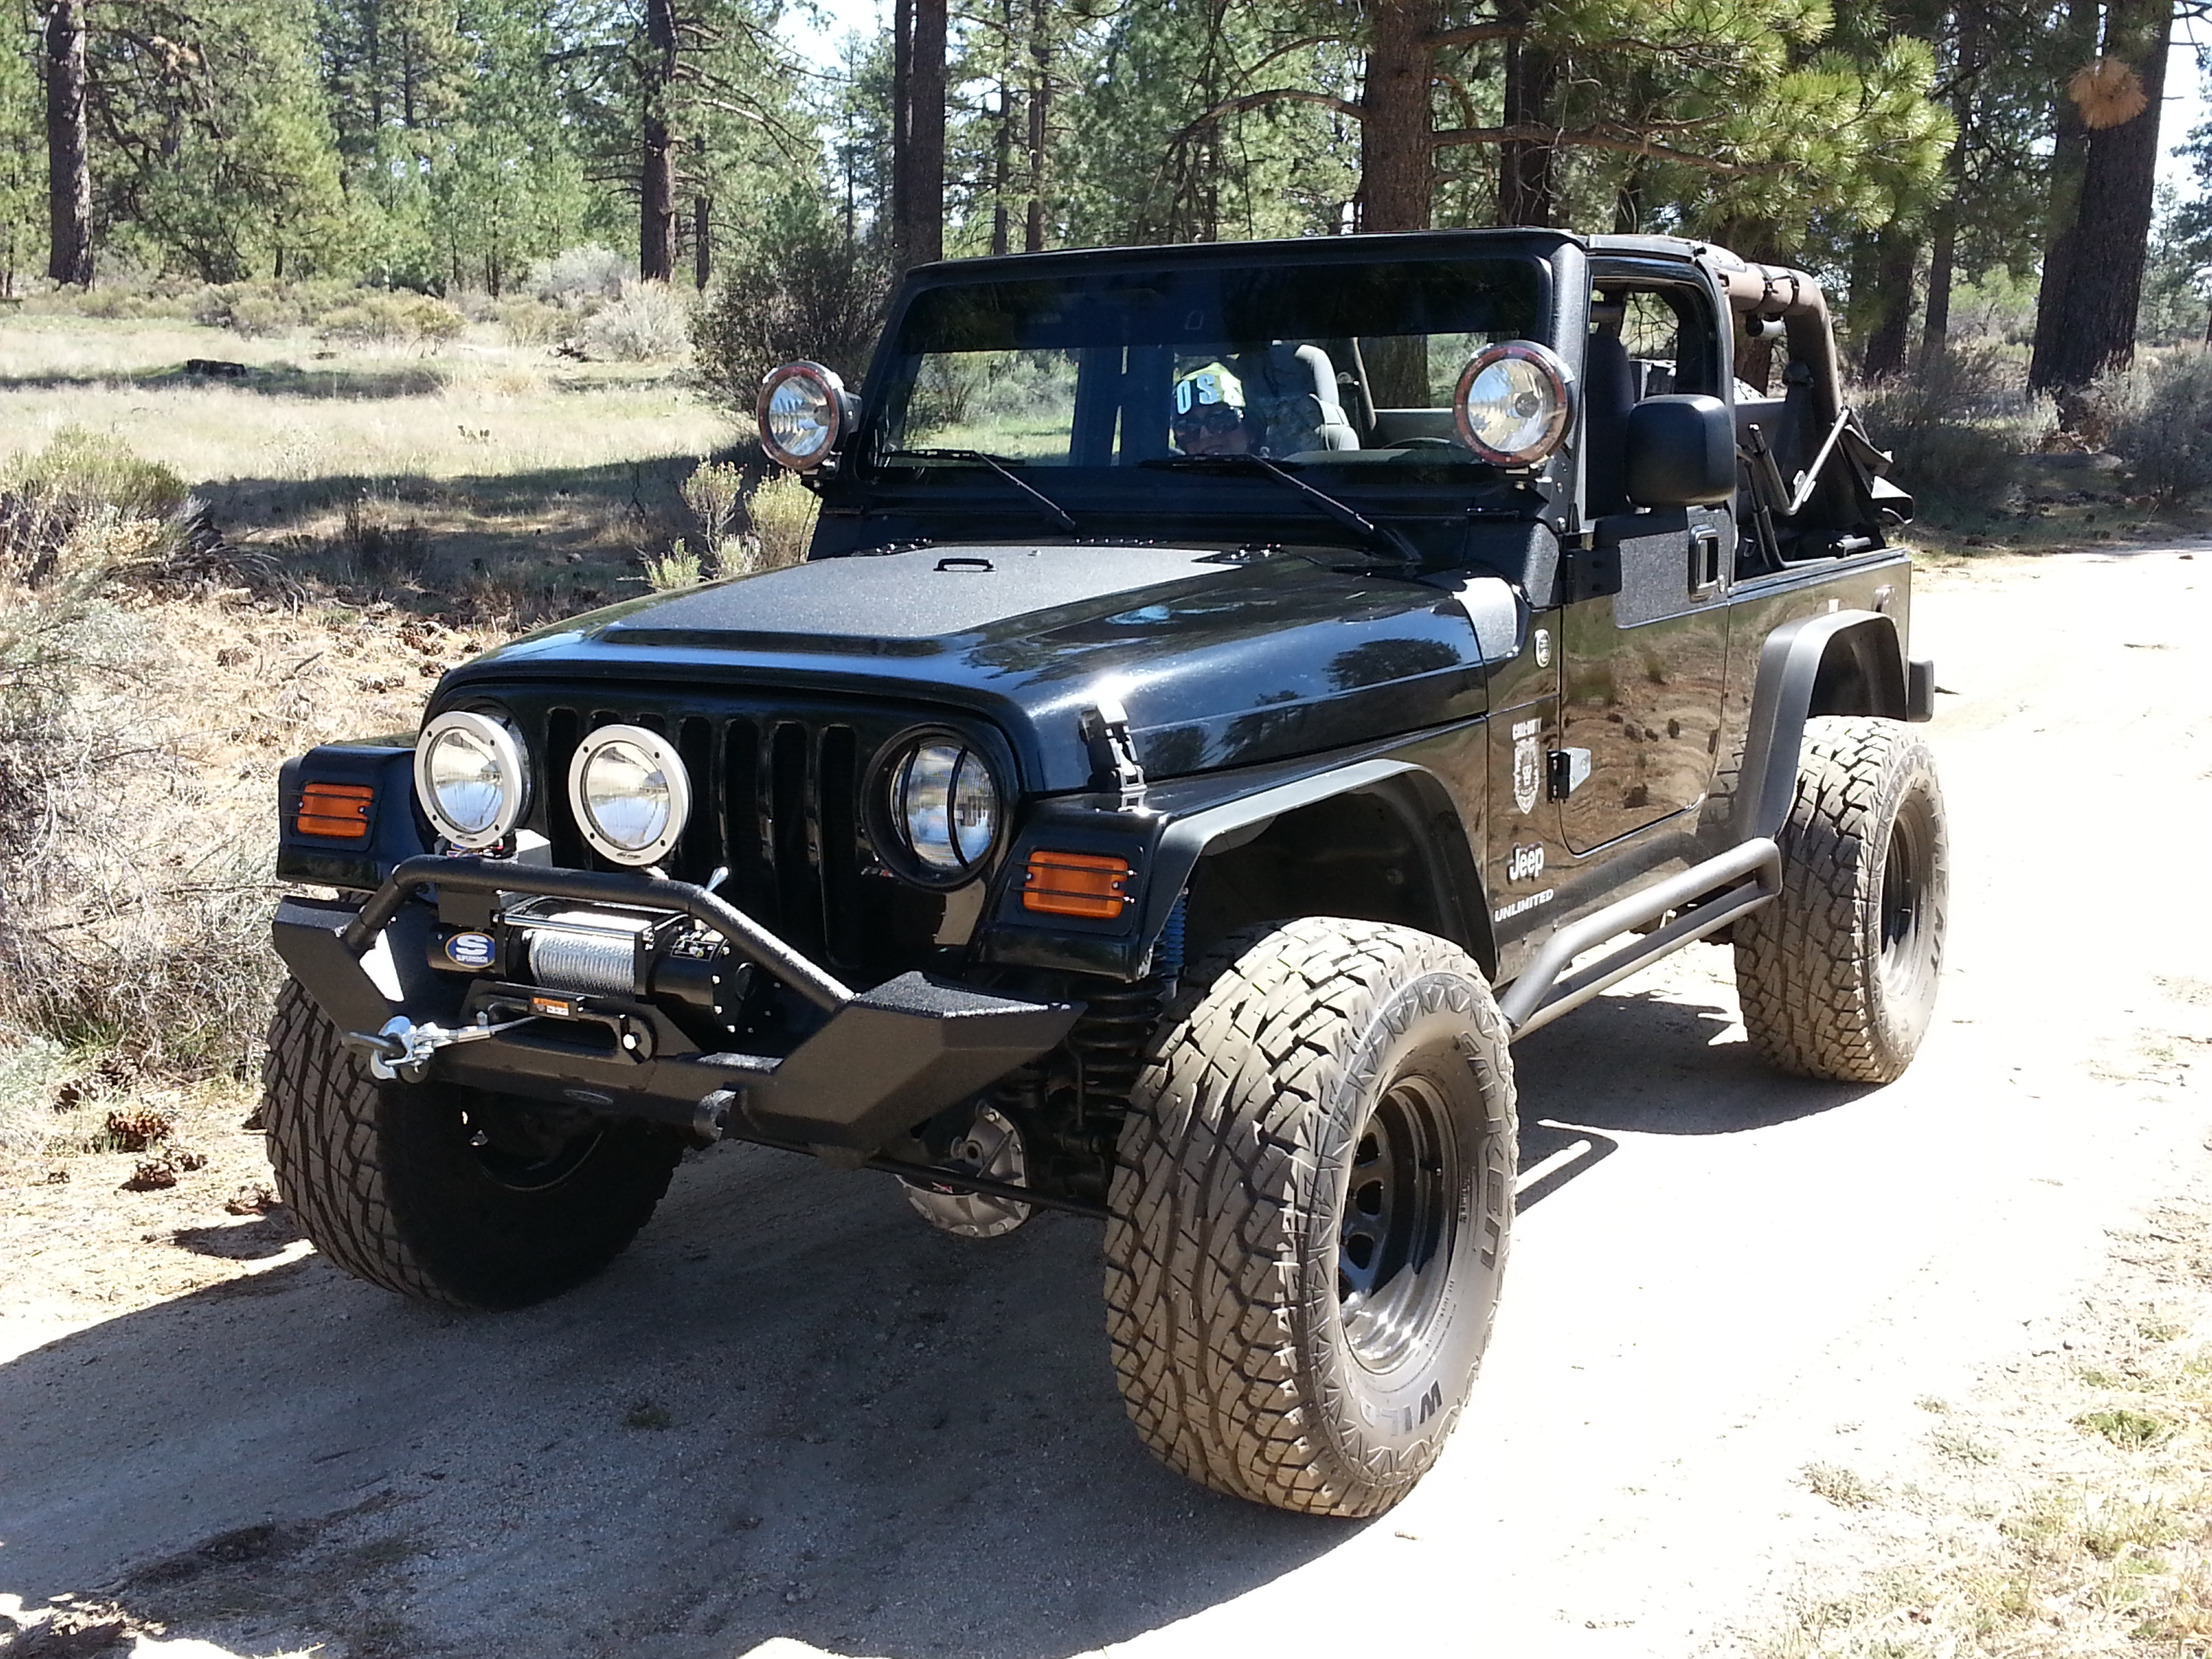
1704, 559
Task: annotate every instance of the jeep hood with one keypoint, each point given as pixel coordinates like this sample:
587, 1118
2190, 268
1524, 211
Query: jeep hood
1222, 658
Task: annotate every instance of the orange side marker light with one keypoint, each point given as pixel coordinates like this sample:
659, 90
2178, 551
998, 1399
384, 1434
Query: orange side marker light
339, 811
1089, 884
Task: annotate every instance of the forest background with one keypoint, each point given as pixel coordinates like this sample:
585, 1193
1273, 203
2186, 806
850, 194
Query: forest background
1984, 164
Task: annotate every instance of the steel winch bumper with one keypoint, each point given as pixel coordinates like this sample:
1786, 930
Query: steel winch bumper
884, 1059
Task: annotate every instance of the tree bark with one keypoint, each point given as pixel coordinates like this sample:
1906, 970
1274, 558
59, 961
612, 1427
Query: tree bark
1396, 127
2111, 223
68, 148
1040, 117
703, 241
656, 195
918, 132
2069, 153
1526, 168
1891, 325
1943, 247
656, 224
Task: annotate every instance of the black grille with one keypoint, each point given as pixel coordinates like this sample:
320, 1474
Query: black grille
778, 801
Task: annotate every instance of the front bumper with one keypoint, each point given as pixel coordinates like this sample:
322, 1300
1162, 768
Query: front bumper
884, 1059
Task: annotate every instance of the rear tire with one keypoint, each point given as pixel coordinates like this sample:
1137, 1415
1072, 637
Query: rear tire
1838, 976
1310, 1214
388, 1180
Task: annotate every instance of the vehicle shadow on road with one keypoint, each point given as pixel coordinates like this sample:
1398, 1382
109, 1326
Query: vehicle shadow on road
1653, 1062
790, 1410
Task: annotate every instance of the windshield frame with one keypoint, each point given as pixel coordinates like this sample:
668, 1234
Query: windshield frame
1114, 490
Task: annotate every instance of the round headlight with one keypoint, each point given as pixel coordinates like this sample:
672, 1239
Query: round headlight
1513, 402
630, 794
801, 415
943, 806
470, 777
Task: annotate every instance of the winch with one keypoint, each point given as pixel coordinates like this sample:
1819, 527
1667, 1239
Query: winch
651, 956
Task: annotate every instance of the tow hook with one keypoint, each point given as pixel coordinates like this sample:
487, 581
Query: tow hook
402, 1051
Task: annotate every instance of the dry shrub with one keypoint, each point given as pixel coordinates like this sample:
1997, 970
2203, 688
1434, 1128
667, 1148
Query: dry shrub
650, 323
379, 545
1960, 428
579, 275
782, 511
117, 931
527, 322
31, 1076
2160, 419
679, 567
394, 319
715, 493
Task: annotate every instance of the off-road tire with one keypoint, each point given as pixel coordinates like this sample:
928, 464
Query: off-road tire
1838, 976
384, 1178
1293, 1053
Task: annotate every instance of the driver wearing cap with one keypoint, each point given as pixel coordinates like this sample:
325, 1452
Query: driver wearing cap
1209, 413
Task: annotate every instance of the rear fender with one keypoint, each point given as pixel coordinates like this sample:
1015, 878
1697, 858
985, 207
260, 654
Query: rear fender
1841, 662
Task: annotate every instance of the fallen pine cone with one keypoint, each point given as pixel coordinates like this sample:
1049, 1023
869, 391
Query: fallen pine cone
257, 1199
135, 1131
156, 1174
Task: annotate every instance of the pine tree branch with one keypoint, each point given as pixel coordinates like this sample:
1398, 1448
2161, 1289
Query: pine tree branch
1252, 100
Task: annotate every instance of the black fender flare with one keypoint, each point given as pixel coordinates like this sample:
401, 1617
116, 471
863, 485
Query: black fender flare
1409, 789
1801, 661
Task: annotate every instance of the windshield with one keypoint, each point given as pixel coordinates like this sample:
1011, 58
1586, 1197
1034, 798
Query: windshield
1327, 365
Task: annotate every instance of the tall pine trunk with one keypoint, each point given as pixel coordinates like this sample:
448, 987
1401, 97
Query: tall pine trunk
68, 148
1527, 167
656, 196
2094, 328
918, 132
1040, 117
1397, 132
1889, 320
1943, 245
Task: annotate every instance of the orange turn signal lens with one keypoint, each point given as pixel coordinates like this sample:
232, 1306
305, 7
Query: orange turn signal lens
1077, 884
339, 811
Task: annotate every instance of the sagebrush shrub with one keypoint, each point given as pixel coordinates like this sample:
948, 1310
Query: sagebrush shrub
782, 511
578, 274
650, 323
1959, 427
2161, 424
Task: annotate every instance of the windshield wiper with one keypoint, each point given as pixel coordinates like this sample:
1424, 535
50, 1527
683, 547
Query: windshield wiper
998, 464
1343, 513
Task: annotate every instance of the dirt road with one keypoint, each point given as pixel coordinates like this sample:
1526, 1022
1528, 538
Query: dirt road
792, 1412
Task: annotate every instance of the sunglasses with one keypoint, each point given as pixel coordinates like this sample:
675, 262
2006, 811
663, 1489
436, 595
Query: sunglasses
1214, 418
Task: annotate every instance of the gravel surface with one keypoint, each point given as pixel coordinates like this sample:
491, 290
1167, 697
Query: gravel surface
791, 1420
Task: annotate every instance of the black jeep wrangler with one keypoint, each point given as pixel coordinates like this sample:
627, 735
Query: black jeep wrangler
1235, 690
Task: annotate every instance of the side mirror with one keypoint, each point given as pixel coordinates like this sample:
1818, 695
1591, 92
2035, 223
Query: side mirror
1681, 451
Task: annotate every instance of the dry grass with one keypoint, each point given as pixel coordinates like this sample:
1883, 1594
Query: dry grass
2080, 1525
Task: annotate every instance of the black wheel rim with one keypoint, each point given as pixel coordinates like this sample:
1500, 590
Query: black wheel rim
1904, 913
1394, 1241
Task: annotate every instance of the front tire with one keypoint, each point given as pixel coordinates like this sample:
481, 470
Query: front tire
446, 1194
1836, 977
1310, 1214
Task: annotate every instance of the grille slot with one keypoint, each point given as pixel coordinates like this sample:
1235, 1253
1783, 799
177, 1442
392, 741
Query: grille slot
777, 800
